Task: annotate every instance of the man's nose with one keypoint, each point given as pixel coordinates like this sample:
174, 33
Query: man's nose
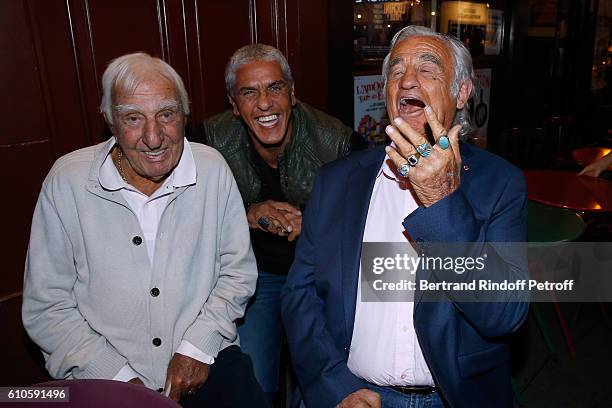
152, 134
264, 101
410, 79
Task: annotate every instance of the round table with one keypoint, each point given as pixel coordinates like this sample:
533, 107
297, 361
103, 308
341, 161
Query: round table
587, 155
551, 224
569, 190
102, 394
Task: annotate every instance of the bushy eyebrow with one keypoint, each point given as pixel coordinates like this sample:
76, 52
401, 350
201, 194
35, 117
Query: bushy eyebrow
279, 82
125, 108
427, 57
169, 104
395, 61
246, 88
254, 88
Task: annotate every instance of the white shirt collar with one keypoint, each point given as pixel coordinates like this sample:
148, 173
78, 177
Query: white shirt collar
184, 173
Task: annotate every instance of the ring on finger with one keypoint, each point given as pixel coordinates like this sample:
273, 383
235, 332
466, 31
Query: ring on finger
424, 149
413, 159
443, 142
403, 170
264, 222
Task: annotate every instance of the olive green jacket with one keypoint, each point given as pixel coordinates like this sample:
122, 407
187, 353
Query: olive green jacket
316, 138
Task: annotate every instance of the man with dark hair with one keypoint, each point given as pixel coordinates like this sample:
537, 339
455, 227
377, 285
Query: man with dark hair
274, 144
428, 188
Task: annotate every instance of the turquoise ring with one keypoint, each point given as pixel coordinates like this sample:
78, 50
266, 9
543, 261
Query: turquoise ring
424, 149
443, 142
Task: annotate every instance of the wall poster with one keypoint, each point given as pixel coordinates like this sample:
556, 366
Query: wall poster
370, 109
479, 107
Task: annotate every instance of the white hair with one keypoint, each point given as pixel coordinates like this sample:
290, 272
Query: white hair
122, 73
463, 69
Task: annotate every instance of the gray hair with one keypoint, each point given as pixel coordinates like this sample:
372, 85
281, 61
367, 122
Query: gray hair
251, 53
463, 69
122, 73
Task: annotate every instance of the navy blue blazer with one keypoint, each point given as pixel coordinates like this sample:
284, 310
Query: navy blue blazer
462, 342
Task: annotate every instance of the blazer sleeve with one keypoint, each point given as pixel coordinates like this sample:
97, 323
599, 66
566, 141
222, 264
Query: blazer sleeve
502, 236
50, 313
320, 366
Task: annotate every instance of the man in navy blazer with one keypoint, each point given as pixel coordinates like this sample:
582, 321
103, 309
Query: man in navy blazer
348, 352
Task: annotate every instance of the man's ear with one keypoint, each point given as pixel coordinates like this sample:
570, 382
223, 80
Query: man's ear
464, 94
234, 106
293, 99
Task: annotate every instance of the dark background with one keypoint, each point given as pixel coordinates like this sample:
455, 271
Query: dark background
52, 56
53, 53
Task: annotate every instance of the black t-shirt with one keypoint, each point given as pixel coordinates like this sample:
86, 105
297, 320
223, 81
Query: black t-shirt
274, 254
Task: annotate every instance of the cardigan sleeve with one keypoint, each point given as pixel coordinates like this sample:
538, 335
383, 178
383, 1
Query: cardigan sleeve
50, 312
237, 274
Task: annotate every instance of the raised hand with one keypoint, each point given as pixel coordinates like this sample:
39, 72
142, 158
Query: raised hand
433, 171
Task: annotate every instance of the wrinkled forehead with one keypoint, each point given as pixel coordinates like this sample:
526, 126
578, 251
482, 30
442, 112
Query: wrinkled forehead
259, 71
151, 94
421, 48
143, 80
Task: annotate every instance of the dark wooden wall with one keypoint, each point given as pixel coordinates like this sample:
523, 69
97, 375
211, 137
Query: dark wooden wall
52, 55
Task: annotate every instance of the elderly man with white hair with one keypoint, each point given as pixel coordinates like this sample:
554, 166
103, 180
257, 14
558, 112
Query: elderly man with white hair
429, 192
139, 259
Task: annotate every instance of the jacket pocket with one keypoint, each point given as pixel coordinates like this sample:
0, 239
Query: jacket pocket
479, 362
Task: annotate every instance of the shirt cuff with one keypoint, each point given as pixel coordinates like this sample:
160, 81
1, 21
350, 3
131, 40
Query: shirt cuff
189, 350
125, 374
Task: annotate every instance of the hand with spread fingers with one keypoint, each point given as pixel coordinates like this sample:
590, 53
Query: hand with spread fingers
433, 171
275, 217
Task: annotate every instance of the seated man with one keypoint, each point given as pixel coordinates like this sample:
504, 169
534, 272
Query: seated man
274, 145
452, 353
139, 259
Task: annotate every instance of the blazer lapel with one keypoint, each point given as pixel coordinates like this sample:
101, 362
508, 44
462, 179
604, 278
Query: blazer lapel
358, 194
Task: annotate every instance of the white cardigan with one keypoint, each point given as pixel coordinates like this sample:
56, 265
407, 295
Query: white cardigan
86, 297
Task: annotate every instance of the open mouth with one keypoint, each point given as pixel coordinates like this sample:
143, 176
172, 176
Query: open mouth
156, 155
268, 120
411, 105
